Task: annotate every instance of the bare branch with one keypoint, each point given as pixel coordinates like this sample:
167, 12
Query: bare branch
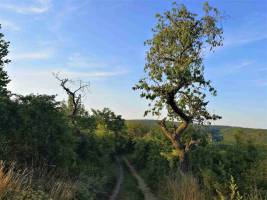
74, 95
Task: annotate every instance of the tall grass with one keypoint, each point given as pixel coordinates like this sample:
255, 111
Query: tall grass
15, 184
180, 186
9, 181
234, 194
255, 194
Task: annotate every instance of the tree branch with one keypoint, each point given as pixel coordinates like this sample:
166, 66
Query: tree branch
171, 102
75, 98
190, 144
168, 134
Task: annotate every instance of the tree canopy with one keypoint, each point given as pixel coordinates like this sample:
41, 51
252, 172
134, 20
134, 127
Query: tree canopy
174, 69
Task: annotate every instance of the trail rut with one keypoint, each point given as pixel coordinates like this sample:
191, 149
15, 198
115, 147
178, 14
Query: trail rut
141, 183
119, 181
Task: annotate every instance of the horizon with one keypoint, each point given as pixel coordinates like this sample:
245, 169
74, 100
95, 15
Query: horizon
102, 42
204, 124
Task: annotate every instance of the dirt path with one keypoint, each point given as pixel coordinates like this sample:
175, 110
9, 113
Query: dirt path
141, 183
119, 181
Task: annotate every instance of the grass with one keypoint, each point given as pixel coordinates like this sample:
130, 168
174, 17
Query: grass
9, 180
181, 186
129, 188
22, 184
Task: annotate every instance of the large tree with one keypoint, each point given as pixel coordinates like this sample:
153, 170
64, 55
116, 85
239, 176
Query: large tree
4, 80
174, 70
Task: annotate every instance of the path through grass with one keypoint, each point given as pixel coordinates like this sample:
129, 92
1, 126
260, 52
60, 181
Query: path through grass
129, 188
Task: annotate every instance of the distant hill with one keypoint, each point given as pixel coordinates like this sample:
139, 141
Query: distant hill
259, 136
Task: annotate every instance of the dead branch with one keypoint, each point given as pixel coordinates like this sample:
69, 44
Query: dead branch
74, 95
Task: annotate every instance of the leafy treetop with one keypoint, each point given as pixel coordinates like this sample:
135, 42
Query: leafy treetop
174, 67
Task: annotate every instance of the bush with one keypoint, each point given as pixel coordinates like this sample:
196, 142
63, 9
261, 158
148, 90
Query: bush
215, 164
36, 133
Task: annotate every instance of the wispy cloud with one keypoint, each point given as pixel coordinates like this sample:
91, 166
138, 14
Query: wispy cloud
236, 67
233, 41
230, 68
77, 60
67, 9
243, 65
35, 55
9, 25
72, 74
89, 66
36, 7
94, 74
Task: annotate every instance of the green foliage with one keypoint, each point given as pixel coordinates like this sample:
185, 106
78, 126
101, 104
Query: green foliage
36, 132
4, 80
148, 158
109, 120
84, 121
214, 164
234, 194
39, 132
232, 134
112, 129
31, 195
95, 182
174, 67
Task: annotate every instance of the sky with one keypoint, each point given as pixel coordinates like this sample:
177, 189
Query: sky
102, 42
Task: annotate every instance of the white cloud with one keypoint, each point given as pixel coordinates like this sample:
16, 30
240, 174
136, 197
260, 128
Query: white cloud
91, 67
6, 24
40, 7
34, 55
69, 74
243, 64
77, 60
94, 74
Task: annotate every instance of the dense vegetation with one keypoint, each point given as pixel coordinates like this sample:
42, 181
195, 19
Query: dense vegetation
58, 150
212, 163
49, 153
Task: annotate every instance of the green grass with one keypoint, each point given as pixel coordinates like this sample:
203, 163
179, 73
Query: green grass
129, 188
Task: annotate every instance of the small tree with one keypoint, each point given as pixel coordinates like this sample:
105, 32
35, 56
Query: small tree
175, 72
109, 120
4, 80
74, 96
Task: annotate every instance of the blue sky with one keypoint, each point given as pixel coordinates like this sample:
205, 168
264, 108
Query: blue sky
101, 41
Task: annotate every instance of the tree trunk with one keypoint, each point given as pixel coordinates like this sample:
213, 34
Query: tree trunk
184, 162
182, 150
